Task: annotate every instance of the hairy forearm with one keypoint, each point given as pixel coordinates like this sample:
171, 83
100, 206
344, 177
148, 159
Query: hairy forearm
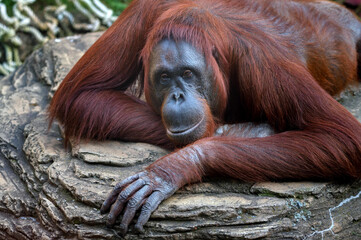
114, 115
323, 153
295, 155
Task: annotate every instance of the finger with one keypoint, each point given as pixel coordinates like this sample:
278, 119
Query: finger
117, 207
148, 208
133, 205
116, 190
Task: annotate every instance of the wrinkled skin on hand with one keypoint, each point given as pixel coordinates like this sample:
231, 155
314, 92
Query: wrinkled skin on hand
143, 190
146, 190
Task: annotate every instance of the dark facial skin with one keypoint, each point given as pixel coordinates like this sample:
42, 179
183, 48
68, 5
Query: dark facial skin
181, 84
182, 87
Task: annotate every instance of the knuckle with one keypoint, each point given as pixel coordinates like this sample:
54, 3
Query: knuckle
147, 207
144, 181
110, 218
142, 174
160, 192
133, 202
124, 195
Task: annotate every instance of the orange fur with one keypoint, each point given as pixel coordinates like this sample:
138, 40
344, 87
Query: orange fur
274, 61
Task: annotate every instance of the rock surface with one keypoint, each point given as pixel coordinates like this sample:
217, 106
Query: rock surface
50, 193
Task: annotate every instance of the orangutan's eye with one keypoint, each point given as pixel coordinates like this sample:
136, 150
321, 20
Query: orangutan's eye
164, 78
187, 74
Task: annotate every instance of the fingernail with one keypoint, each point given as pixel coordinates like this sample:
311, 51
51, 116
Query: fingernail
139, 228
102, 211
123, 229
110, 221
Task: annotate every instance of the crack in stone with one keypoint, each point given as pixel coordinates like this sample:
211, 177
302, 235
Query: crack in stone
322, 232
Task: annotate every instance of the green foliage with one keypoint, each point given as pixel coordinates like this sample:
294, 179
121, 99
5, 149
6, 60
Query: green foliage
9, 5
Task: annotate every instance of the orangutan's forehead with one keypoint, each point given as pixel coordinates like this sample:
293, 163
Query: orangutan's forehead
169, 53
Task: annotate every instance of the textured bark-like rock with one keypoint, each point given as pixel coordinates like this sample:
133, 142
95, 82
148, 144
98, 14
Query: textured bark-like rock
48, 192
